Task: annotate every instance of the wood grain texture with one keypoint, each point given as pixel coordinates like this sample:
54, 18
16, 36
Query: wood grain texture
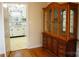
55, 40
35, 52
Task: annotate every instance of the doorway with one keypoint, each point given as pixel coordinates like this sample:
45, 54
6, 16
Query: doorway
18, 26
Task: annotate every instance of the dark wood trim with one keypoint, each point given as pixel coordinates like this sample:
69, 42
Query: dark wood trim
68, 22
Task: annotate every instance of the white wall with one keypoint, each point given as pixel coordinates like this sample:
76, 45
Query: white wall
2, 37
34, 28
34, 21
35, 16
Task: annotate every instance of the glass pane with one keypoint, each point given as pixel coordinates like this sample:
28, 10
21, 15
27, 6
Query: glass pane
63, 22
17, 19
55, 20
71, 21
49, 20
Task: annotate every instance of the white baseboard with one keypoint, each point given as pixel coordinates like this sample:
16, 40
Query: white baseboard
18, 49
30, 47
35, 46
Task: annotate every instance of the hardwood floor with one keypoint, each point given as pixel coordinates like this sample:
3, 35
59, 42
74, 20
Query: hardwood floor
35, 52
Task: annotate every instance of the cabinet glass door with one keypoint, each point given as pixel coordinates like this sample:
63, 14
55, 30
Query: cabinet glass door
49, 20
71, 22
55, 20
63, 22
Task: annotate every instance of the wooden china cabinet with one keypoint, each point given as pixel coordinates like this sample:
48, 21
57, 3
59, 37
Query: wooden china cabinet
60, 28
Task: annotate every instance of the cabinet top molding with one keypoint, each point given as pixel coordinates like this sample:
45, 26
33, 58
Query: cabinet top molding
61, 4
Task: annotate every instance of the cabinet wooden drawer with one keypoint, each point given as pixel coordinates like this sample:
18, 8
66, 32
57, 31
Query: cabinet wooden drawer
61, 46
44, 38
49, 43
61, 54
61, 51
44, 43
54, 46
61, 42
